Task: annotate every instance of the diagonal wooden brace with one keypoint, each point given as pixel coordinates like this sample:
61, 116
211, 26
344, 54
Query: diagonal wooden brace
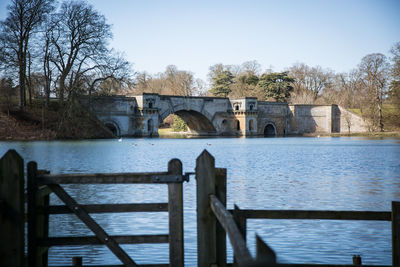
92, 225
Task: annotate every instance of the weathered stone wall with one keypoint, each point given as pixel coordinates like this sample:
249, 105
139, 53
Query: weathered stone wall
310, 119
116, 110
347, 121
272, 113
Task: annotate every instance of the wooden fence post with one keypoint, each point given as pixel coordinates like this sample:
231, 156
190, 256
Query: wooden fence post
77, 261
32, 191
206, 220
12, 209
175, 213
395, 234
357, 260
42, 223
220, 193
38, 222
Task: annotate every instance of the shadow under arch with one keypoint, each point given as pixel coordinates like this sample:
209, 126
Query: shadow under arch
197, 123
269, 130
113, 127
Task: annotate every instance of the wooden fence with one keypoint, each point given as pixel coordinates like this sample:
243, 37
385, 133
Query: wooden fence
40, 184
214, 221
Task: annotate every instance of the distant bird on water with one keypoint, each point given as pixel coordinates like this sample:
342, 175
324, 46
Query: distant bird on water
120, 140
208, 144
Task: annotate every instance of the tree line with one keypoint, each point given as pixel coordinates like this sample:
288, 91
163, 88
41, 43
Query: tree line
61, 49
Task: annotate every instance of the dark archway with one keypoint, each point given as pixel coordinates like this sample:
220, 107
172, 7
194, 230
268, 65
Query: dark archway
238, 125
150, 126
269, 130
250, 125
196, 122
113, 128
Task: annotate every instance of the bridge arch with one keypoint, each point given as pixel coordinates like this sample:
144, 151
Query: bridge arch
270, 130
113, 127
197, 122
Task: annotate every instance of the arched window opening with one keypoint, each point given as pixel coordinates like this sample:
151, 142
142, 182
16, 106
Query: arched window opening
250, 125
237, 107
251, 107
150, 104
238, 125
150, 126
269, 131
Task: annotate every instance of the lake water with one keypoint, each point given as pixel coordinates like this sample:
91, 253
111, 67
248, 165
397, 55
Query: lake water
263, 173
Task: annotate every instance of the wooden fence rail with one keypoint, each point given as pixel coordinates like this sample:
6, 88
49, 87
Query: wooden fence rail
315, 215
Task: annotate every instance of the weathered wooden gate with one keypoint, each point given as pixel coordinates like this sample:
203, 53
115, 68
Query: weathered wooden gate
42, 183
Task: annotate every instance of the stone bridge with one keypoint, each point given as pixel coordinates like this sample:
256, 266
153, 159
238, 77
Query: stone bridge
141, 116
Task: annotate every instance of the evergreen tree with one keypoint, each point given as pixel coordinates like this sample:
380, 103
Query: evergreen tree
179, 124
221, 84
277, 85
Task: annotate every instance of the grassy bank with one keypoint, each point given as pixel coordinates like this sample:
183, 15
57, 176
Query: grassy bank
170, 132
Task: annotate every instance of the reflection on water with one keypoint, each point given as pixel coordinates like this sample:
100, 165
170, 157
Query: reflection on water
277, 173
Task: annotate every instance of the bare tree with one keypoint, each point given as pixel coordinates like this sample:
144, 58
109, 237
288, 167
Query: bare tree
24, 17
394, 92
200, 88
111, 67
178, 82
374, 72
216, 70
251, 67
172, 82
79, 35
312, 79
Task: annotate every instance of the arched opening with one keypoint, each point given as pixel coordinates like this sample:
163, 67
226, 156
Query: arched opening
196, 123
250, 125
150, 126
237, 107
238, 125
150, 104
113, 128
269, 130
251, 107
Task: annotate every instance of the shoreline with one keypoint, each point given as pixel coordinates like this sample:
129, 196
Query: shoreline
185, 135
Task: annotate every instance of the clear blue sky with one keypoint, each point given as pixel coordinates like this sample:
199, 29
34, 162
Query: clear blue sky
193, 35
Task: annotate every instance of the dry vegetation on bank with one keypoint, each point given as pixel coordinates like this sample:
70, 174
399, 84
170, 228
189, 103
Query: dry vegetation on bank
39, 123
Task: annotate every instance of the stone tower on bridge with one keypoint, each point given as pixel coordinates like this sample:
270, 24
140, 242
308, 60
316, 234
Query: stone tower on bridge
141, 115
